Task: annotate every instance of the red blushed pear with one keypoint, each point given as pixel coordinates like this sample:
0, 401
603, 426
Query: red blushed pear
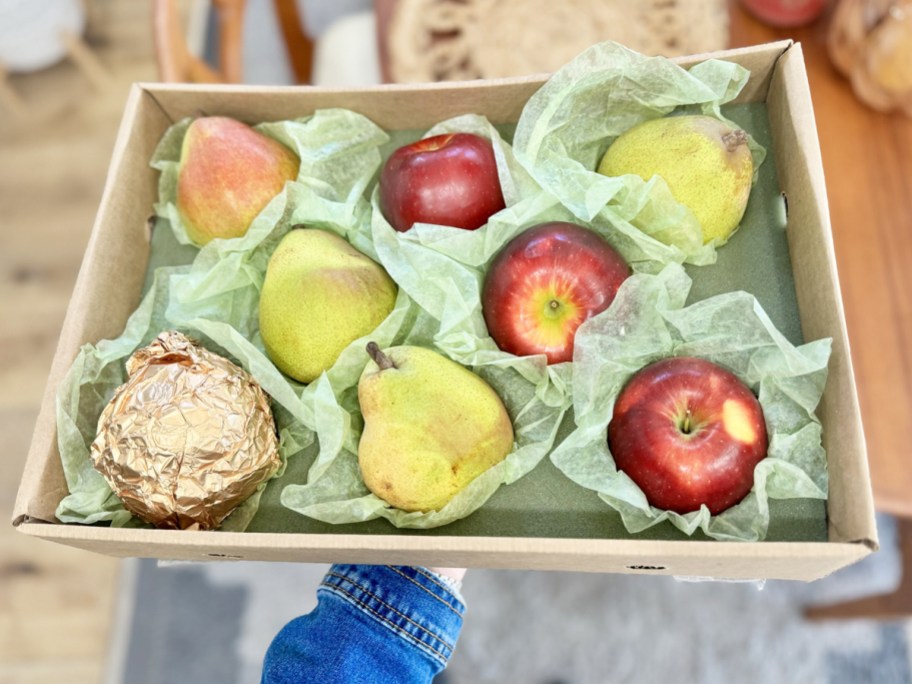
448, 180
544, 284
688, 432
228, 173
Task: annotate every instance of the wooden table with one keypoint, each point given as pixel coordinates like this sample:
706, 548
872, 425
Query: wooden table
867, 159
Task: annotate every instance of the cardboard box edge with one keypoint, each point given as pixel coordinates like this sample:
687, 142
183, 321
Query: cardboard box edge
793, 68
152, 87
28, 490
585, 555
778, 48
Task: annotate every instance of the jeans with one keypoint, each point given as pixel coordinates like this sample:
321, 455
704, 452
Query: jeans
372, 624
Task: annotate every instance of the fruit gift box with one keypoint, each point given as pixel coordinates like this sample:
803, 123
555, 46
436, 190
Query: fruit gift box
544, 519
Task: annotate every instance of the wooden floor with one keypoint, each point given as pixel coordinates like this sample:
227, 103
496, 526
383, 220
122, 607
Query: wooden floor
55, 602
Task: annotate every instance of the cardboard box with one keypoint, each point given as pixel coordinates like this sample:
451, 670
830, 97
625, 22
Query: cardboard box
110, 281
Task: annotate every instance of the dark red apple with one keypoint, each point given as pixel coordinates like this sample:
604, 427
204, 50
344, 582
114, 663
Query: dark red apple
688, 432
544, 284
449, 179
785, 13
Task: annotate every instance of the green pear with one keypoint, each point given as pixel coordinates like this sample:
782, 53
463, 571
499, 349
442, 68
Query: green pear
227, 174
431, 426
319, 295
705, 162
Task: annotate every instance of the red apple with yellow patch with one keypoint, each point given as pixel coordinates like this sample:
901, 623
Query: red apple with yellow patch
688, 432
545, 283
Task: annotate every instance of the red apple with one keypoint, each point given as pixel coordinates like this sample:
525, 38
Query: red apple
688, 432
449, 179
785, 13
544, 284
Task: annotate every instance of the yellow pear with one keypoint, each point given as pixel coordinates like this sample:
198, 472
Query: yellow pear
431, 426
228, 173
319, 295
705, 162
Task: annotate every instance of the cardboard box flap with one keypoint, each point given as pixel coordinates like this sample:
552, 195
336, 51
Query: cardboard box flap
384, 105
760, 60
819, 297
118, 257
387, 105
771, 560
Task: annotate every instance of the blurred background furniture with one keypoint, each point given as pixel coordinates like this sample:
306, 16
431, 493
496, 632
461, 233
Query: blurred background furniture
233, 41
178, 64
870, 42
34, 35
429, 40
444, 40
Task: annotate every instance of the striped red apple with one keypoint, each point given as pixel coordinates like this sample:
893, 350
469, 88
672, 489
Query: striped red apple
544, 284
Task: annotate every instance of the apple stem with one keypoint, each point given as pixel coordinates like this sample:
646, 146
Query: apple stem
381, 359
685, 428
554, 304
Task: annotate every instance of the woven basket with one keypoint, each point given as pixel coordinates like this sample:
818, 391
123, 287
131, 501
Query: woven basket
437, 40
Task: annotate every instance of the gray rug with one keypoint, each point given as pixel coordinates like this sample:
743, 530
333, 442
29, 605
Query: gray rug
212, 623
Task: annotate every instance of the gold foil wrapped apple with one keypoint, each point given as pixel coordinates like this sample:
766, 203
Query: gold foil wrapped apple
187, 438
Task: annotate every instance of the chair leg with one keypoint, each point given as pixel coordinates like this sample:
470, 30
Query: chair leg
896, 605
231, 26
9, 98
87, 62
298, 44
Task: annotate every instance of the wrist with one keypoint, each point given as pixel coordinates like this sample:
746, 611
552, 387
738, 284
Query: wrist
455, 574
451, 578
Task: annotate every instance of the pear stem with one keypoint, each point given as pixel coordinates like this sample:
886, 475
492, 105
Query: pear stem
381, 359
734, 139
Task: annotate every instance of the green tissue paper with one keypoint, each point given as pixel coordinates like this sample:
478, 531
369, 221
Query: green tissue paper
546, 175
568, 124
443, 268
215, 300
648, 322
340, 155
99, 370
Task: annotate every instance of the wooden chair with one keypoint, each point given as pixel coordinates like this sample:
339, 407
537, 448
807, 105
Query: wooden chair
177, 65
42, 40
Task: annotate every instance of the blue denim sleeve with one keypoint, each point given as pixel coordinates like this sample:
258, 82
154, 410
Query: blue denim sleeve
372, 624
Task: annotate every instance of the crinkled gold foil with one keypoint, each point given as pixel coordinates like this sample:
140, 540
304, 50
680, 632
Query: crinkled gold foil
187, 438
